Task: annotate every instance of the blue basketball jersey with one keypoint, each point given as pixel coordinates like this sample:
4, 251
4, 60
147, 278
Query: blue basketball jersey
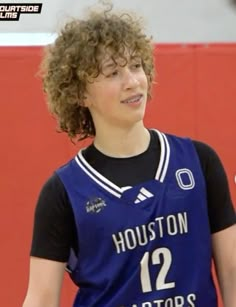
145, 245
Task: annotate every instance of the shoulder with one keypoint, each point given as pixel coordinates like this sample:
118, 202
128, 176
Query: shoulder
53, 195
205, 151
53, 184
209, 158
207, 155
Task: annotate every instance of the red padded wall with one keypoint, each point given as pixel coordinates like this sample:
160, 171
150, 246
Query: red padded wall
194, 96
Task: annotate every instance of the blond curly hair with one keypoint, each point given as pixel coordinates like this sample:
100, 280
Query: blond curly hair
74, 58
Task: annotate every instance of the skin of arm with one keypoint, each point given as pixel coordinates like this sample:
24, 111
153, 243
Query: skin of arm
224, 254
45, 282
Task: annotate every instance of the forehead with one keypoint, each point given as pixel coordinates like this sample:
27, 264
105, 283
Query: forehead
109, 58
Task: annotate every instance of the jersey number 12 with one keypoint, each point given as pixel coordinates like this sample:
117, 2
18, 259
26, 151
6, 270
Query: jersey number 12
156, 256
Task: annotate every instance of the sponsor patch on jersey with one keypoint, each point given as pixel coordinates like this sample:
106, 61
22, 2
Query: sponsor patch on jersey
95, 205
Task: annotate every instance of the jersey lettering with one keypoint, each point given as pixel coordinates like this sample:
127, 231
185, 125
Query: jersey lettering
170, 225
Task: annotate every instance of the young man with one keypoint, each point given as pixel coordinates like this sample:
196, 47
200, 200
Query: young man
137, 216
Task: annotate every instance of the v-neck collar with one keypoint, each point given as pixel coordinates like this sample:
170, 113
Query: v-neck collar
112, 188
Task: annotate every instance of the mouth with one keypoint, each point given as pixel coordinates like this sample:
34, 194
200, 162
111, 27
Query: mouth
133, 99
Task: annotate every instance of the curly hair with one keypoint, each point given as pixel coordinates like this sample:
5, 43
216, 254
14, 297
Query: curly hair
74, 59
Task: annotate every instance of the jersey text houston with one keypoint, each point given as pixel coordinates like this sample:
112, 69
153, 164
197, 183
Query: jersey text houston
131, 238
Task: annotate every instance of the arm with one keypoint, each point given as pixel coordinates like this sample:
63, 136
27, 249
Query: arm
222, 221
53, 235
45, 282
224, 253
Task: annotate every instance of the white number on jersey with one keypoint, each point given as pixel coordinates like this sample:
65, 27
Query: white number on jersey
161, 282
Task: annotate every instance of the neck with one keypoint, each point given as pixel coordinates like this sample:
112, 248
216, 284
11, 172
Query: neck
123, 142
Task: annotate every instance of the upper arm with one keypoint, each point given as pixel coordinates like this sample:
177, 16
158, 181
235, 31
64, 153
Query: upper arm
220, 206
45, 282
224, 254
224, 247
51, 242
54, 231
222, 221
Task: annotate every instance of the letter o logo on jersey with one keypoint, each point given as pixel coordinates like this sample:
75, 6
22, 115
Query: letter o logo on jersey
185, 179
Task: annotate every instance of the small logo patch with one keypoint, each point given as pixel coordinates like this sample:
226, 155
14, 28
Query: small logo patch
143, 195
95, 205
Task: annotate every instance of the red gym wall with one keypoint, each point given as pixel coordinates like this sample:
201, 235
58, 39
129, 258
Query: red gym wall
195, 96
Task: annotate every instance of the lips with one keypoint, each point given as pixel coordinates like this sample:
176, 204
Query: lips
132, 99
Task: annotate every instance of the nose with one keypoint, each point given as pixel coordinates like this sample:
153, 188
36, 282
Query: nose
130, 79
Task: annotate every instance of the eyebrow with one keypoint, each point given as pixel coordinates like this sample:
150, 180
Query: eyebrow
108, 64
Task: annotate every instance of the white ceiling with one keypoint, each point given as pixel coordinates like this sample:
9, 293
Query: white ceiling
168, 21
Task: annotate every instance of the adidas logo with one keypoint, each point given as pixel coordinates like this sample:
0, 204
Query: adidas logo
143, 194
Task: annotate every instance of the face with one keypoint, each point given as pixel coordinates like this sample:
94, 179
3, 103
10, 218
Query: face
117, 97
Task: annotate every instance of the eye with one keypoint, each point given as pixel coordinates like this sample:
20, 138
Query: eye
136, 65
112, 74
